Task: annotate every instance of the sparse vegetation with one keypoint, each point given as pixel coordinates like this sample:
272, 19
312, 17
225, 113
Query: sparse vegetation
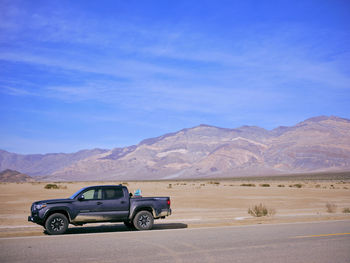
214, 182
55, 186
125, 183
331, 208
261, 210
265, 185
281, 185
170, 186
51, 186
346, 210
251, 185
317, 186
296, 185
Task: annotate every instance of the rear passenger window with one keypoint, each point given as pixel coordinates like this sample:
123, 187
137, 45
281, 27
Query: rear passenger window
113, 193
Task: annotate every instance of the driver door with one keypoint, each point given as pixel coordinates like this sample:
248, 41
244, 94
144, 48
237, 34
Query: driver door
88, 206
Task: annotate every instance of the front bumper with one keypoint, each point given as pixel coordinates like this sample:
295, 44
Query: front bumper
35, 219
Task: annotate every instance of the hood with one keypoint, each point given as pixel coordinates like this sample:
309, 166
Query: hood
55, 201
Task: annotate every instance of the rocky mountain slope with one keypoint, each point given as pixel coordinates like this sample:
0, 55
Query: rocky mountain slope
42, 164
317, 144
10, 176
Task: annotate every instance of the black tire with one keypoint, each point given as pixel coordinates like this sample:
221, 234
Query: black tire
129, 224
143, 220
56, 224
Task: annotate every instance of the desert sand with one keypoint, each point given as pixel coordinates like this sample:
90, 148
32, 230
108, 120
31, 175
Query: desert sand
195, 203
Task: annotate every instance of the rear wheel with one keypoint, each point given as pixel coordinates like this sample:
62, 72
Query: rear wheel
143, 220
56, 224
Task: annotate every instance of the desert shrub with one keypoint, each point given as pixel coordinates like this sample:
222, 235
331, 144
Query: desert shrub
202, 185
265, 185
317, 186
125, 183
55, 186
251, 185
214, 182
331, 208
346, 210
51, 186
170, 186
261, 210
296, 185
280, 185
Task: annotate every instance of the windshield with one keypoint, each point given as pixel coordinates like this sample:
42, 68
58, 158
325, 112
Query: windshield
77, 193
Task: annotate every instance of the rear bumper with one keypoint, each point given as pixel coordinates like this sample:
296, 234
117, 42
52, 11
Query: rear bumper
164, 213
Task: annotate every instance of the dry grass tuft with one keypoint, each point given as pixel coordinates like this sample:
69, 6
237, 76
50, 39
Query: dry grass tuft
296, 185
55, 186
331, 208
265, 185
261, 210
214, 182
251, 185
346, 210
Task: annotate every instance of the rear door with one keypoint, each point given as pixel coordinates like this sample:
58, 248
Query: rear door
115, 204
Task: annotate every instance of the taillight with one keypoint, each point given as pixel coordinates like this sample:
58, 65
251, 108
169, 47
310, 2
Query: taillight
169, 202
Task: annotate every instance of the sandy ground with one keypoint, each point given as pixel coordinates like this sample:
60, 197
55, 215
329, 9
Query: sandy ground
194, 203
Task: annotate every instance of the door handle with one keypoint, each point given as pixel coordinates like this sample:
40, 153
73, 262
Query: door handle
99, 203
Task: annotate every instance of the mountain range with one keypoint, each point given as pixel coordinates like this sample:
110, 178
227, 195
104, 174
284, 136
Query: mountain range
315, 145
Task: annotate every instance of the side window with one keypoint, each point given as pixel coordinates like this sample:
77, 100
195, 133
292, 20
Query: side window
93, 194
89, 194
113, 193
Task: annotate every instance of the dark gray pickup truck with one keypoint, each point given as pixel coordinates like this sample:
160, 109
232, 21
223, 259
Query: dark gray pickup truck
105, 203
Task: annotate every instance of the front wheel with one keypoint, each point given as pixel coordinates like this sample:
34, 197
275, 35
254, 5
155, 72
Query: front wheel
143, 220
56, 224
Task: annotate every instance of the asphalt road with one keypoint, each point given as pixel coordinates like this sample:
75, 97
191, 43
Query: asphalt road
300, 242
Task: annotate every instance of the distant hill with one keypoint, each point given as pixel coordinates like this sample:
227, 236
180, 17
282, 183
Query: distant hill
12, 176
315, 145
43, 164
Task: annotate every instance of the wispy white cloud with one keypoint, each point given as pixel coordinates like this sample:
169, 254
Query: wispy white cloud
179, 70
15, 91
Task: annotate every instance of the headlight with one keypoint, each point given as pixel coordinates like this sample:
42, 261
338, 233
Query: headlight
39, 206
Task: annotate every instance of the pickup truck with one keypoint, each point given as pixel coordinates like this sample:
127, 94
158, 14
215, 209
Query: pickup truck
105, 203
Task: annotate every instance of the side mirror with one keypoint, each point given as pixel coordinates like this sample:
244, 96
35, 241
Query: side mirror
81, 198
130, 194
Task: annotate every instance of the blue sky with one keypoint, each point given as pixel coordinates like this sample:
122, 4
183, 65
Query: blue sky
85, 74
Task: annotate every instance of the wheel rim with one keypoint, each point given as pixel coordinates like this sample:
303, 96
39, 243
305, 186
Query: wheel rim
57, 224
144, 221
